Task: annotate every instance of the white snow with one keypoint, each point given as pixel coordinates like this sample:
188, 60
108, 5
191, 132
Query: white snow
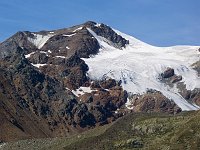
38, 65
139, 65
49, 51
69, 35
128, 104
67, 88
80, 28
67, 47
98, 25
44, 52
39, 40
28, 55
60, 56
82, 90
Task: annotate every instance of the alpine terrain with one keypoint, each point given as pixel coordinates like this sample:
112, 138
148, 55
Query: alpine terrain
62, 83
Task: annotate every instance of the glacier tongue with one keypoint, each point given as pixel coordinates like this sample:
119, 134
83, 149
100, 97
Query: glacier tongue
139, 65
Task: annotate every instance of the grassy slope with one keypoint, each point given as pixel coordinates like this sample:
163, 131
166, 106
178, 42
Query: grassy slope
150, 131
134, 131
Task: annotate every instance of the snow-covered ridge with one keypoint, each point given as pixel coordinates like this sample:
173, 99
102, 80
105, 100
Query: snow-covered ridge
39, 40
78, 29
139, 65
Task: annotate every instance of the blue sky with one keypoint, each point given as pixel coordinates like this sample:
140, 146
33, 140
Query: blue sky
157, 22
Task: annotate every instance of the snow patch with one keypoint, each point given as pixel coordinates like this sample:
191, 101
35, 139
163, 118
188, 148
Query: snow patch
60, 56
82, 90
49, 51
44, 52
28, 55
117, 111
103, 42
67, 88
97, 25
67, 47
39, 40
38, 65
80, 28
128, 104
69, 35
139, 66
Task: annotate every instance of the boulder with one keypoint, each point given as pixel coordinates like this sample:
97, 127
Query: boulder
169, 72
176, 78
107, 84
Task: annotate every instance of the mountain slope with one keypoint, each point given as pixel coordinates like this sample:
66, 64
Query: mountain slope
74, 79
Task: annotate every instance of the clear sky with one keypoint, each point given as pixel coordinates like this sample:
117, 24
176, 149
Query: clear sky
157, 22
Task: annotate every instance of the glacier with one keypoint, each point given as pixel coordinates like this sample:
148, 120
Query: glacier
139, 66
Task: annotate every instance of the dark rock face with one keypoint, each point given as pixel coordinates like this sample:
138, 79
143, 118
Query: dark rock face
83, 117
168, 73
196, 66
103, 103
169, 78
106, 84
66, 45
16, 42
39, 58
71, 71
17, 121
192, 96
176, 79
106, 32
153, 102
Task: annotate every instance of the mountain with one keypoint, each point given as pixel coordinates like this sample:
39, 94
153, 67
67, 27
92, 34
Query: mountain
66, 81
